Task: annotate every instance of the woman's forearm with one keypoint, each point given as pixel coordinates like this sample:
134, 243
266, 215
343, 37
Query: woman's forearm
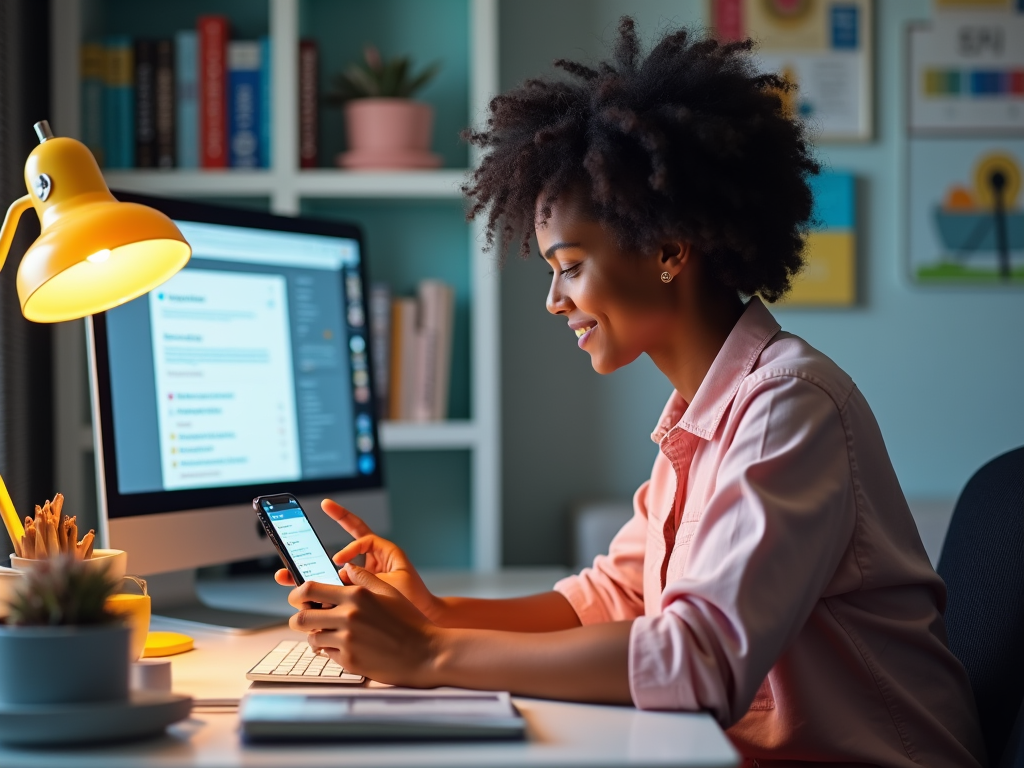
582, 664
546, 612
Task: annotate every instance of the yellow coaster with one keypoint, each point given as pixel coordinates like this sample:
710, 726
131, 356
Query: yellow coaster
166, 644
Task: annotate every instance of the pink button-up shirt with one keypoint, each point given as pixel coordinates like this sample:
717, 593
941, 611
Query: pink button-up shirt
775, 574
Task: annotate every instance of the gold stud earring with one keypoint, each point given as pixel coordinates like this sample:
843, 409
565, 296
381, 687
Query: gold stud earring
666, 277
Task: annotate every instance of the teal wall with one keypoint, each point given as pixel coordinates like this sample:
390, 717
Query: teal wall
943, 369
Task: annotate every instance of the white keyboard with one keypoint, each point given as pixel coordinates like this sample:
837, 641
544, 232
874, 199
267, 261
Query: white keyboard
294, 662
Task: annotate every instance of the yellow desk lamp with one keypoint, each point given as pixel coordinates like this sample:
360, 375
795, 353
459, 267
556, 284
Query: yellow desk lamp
93, 253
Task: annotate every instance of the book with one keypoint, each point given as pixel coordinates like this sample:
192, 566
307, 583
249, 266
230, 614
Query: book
92, 65
244, 103
403, 357
309, 140
380, 342
119, 102
186, 75
166, 149
212, 31
433, 351
145, 103
274, 714
266, 82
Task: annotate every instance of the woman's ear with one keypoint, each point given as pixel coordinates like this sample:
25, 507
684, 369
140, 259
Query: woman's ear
673, 258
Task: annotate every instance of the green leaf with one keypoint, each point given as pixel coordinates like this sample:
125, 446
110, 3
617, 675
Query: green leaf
424, 77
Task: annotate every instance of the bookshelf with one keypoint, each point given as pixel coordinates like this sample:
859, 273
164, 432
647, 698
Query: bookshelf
464, 517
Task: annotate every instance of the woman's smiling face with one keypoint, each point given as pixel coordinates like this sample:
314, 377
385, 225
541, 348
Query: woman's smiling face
614, 300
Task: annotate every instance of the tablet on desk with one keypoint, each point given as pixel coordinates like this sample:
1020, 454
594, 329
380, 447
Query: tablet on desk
379, 713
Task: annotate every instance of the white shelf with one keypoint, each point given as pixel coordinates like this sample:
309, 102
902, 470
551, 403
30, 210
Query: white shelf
453, 434
286, 186
326, 182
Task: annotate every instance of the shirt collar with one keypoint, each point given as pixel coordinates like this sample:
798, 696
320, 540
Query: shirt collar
735, 360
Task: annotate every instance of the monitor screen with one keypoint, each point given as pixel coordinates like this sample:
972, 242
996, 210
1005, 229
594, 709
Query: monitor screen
247, 370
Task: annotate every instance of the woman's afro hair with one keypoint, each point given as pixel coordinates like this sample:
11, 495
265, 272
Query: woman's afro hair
689, 142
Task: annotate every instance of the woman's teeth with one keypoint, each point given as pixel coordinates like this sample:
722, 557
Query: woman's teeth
581, 331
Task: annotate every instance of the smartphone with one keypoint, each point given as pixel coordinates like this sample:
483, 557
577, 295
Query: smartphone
289, 529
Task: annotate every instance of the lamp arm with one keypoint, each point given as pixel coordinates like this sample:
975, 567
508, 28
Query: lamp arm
10, 225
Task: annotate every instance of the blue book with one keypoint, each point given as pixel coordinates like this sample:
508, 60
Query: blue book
265, 86
119, 102
186, 87
244, 98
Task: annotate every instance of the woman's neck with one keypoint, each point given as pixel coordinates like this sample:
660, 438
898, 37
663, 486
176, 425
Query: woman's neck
704, 319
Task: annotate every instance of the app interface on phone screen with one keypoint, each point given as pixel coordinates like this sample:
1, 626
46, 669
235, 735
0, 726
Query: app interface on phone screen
297, 536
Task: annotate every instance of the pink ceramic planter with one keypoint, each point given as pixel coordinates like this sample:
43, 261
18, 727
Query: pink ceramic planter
388, 134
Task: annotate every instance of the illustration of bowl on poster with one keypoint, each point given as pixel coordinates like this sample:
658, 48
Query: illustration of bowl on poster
976, 222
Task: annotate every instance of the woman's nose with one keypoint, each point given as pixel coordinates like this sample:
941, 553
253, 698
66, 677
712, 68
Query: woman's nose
556, 303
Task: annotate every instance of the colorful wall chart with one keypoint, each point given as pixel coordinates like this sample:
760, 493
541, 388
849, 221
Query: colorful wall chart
966, 214
830, 276
967, 73
965, 156
823, 46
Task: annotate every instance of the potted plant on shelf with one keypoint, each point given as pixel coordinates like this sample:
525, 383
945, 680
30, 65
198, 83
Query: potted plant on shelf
386, 128
59, 643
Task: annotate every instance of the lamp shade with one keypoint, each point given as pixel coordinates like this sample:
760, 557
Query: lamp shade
94, 252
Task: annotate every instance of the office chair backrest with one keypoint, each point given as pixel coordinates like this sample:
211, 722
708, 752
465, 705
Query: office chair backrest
982, 564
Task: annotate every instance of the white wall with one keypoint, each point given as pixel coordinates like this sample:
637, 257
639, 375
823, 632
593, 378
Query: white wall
942, 368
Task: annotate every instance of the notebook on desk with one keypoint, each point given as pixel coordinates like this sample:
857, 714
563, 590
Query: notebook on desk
273, 713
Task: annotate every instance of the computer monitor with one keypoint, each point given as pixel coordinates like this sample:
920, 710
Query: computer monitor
247, 373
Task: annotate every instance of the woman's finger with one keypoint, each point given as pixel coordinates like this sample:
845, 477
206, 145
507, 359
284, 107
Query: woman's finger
284, 578
360, 546
355, 526
315, 592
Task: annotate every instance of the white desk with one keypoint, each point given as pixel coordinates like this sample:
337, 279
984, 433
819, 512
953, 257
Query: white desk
560, 734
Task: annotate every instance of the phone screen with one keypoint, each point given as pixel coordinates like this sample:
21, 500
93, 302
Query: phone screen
297, 536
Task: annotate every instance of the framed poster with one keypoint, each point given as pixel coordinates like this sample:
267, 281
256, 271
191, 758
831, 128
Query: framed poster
966, 74
965, 153
823, 46
829, 278
966, 211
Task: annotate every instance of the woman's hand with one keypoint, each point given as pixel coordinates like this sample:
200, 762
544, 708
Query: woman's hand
383, 559
371, 629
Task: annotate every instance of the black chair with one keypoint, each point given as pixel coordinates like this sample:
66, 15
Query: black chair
982, 564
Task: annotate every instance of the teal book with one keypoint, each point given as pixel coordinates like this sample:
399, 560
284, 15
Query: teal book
265, 88
93, 62
186, 76
119, 102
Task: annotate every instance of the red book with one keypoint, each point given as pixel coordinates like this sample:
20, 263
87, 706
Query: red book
308, 114
212, 32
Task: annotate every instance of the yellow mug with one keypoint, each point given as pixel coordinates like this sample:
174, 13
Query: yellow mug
136, 609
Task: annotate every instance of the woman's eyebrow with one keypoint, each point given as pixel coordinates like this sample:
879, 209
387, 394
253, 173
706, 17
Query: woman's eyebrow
556, 246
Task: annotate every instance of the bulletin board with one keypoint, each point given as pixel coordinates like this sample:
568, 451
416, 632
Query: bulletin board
823, 46
965, 155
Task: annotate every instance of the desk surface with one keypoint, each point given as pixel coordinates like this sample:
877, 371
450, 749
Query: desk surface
560, 734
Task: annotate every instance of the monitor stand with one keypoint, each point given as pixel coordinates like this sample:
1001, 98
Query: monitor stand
176, 601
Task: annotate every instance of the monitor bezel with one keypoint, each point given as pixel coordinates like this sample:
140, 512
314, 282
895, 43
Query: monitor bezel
118, 505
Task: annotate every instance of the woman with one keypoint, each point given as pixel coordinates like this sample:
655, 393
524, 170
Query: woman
772, 573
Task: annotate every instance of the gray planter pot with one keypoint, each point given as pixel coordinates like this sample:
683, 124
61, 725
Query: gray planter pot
49, 665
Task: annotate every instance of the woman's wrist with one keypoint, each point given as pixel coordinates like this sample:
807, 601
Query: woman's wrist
437, 666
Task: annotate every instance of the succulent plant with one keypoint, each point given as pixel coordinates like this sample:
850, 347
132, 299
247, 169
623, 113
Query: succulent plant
63, 591
380, 78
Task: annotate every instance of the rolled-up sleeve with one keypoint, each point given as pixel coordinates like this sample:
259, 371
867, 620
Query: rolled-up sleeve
613, 588
760, 555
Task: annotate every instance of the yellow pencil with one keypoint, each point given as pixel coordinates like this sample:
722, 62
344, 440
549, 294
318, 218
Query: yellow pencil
10, 515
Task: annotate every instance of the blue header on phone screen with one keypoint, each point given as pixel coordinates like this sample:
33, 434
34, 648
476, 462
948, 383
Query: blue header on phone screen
296, 535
